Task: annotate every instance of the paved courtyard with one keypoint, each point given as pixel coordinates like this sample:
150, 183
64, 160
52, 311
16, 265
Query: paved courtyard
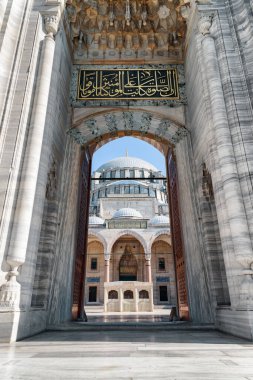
173, 355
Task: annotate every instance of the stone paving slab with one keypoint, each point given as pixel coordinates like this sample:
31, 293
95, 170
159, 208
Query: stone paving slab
128, 355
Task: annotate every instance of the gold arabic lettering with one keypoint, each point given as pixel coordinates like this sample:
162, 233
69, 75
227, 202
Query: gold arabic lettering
128, 84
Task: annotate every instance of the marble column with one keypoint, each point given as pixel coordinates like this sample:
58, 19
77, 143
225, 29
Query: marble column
148, 268
136, 299
10, 291
121, 298
107, 267
105, 300
226, 157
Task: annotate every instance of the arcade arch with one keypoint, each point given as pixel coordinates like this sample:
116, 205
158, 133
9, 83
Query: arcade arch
127, 258
127, 233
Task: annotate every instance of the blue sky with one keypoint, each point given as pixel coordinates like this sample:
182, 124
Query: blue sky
135, 148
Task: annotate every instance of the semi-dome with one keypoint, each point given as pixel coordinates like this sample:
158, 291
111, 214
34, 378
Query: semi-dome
127, 213
160, 220
127, 162
96, 221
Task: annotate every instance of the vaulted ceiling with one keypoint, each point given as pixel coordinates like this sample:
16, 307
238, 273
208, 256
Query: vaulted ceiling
125, 30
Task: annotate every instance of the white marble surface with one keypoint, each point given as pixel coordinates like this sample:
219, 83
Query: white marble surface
128, 355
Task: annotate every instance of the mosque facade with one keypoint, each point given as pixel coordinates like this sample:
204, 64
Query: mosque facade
129, 235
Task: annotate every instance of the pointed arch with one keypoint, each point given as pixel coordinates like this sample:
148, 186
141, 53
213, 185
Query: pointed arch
124, 233
97, 236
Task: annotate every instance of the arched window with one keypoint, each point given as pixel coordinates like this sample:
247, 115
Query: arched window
143, 294
113, 295
128, 295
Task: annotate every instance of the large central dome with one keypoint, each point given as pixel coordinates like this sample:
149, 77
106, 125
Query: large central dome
127, 162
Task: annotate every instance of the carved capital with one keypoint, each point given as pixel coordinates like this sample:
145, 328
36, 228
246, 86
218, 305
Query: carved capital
147, 256
107, 256
204, 24
10, 292
51, 23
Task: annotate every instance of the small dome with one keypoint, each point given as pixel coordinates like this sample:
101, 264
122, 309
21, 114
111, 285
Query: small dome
127, 162
127, 213
96, 221
160, 220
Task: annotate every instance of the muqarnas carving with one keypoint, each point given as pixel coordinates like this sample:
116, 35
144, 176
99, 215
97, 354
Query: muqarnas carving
127, 29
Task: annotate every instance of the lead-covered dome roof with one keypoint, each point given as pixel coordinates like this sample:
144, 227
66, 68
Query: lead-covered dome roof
127, 212
96, 221
127, 162
160, 220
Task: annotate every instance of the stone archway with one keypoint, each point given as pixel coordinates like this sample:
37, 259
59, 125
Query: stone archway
159, 129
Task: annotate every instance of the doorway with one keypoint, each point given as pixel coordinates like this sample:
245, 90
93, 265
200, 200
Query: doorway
92, 294
163, 291
131, 193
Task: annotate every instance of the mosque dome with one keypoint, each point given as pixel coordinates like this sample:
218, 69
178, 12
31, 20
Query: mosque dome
127, 213
127, 162
160, 220
96, 221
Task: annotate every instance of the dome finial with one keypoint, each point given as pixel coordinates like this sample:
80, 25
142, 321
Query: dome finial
126, 153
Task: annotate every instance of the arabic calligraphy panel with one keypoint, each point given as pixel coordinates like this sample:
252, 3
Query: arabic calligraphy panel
128, 84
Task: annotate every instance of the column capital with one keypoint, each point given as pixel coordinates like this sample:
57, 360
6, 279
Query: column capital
205, 23
148, 256
51, 23
107, 256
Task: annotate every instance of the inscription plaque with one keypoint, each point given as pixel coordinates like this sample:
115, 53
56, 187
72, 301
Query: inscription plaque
128, 84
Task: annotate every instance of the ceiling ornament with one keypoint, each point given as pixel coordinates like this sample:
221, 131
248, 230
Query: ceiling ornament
127, 29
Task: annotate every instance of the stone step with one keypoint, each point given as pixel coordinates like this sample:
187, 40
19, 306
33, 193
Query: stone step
121, 326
